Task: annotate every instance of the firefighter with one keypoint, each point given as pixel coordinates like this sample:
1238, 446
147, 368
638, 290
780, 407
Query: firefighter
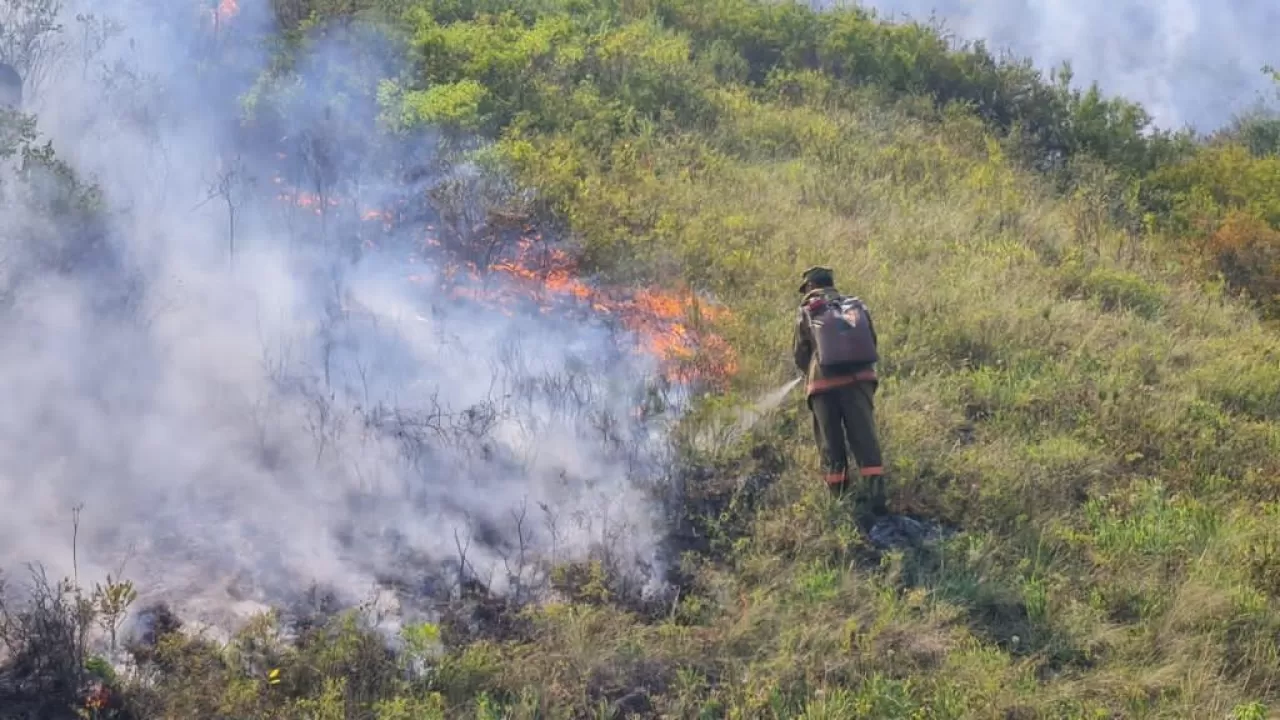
841, 386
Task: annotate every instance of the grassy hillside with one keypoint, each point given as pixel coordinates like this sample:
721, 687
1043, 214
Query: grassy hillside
1070, 380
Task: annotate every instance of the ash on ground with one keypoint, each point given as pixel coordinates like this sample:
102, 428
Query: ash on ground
895, 532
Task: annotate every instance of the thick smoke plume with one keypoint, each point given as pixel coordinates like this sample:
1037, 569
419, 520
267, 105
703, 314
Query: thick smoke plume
1189, 62
227, 368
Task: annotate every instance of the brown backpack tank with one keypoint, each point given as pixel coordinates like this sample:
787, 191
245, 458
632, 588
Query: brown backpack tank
841, 331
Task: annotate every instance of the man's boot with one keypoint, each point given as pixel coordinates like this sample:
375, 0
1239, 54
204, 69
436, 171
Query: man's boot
877, 499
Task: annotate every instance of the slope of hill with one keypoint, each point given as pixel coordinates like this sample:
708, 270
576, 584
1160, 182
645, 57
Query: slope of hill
1077, 376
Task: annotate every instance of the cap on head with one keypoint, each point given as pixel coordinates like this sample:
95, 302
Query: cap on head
819, 276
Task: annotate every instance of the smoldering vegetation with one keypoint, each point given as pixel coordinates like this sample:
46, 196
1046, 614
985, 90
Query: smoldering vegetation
251, 354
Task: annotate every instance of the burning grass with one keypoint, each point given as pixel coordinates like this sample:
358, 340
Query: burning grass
671, 325
674, 326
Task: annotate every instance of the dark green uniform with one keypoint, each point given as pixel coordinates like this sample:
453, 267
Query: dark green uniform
842, 401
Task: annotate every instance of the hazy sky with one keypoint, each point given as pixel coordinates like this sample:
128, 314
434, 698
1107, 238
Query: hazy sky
1187, 61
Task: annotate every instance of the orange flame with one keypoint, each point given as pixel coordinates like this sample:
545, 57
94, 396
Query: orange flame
309, 201
99, 697
227, 9
662, 321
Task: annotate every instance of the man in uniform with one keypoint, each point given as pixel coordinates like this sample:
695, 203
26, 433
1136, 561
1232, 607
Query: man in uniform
841, 399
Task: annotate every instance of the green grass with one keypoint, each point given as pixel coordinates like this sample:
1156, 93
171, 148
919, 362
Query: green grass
1098, 427
1104, 430
1099, 430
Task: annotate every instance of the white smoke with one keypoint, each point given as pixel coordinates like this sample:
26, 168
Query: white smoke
239, 423
1189, 62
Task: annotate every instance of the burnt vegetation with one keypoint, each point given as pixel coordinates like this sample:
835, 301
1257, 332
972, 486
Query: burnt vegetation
1079, 362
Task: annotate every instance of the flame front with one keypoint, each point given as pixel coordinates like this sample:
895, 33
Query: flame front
660, 319
534, 271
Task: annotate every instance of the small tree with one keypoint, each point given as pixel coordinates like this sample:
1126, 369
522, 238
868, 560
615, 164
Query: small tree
95, 33
229, 185
111, 603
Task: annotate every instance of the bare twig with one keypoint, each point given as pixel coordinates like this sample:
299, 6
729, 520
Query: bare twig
462, 560
75, 534
226, 186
